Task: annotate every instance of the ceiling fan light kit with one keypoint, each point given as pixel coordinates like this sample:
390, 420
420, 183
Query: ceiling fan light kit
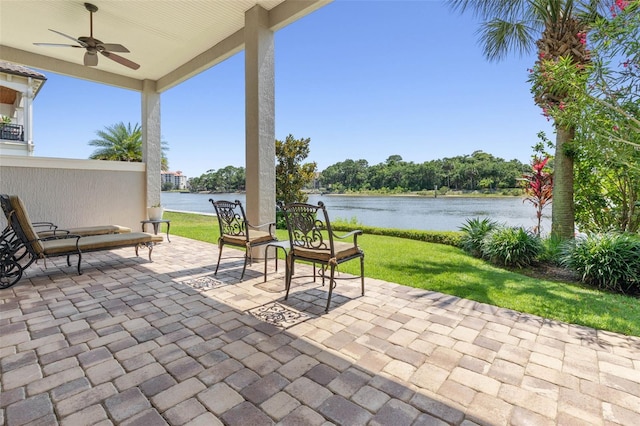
93, 46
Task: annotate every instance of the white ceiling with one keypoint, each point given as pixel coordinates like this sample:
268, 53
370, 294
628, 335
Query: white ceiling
170, 39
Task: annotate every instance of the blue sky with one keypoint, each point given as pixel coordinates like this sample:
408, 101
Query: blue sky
362, 79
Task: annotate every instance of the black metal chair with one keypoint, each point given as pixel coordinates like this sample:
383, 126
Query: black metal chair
312, 240
236, 231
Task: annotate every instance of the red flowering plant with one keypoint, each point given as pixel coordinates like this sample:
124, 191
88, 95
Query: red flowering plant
538, 187
604, 86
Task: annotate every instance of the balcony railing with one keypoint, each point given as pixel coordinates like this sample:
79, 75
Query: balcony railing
12, 132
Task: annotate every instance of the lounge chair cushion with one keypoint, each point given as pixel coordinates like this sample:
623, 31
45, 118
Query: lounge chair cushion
25, 223
99, 242
90, 230
255, 237
342, 251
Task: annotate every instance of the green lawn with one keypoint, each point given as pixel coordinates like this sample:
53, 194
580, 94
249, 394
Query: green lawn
449, 270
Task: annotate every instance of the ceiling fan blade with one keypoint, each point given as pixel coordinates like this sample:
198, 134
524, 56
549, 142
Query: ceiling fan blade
81, 43
90, 59
56, 45
114, 47
120, 60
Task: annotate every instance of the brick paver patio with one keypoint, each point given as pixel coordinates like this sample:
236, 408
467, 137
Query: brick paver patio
136, 343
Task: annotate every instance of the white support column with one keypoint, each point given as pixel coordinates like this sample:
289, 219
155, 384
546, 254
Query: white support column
260, 117
151, 146
27, 114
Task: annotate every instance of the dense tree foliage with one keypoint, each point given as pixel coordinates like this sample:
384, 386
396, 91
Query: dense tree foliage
608, 162
478, 171
227, 179
604, 110
292, 175
122, 143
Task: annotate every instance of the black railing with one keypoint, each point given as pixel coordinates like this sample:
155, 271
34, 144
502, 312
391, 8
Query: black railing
12, 132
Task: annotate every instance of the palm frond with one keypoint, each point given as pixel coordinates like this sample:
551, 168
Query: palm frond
120, 142
488, 9
499, 37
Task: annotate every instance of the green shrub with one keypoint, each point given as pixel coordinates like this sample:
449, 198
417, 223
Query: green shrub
474, 230
511, 246
552, 249
281, 222
511, 191
450, 238
346, 223
609, 261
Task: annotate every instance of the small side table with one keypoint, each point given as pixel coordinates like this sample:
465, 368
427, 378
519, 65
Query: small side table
156, 224
284, 246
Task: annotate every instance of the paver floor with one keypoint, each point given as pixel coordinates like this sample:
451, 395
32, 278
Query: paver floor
131, 342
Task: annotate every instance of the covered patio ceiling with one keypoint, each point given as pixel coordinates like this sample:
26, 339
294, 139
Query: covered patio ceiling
171, 40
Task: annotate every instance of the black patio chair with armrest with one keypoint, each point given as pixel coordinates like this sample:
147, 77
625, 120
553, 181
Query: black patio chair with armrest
312, 240
236, 231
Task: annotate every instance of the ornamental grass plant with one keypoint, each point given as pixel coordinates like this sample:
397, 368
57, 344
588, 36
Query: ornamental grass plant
609, 261
511, 246
474, 230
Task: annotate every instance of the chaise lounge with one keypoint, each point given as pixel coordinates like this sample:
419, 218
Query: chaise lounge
21, 245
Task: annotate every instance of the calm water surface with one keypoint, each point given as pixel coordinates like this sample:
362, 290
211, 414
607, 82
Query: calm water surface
438, 214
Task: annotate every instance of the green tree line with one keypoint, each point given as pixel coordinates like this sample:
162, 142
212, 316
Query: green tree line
227, 179
478, 171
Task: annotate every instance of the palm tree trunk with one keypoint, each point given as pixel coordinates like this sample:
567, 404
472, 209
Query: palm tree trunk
562, 208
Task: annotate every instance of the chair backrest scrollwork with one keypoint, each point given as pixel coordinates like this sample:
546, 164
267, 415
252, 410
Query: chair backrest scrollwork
305, 223
231, 218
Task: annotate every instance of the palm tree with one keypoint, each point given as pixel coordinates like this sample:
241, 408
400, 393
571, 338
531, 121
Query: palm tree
557, 28
122, 143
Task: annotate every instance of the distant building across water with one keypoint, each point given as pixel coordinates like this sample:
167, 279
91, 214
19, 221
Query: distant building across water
177, 179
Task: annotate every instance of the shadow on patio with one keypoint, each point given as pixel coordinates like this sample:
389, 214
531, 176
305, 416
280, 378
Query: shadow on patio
132, 342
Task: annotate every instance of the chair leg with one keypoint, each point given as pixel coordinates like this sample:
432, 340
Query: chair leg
79, 262
332, 283
362, 273
219, 257
288, 275
266, 256
244, 267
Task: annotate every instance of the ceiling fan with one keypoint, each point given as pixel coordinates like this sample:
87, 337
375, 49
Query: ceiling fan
94, 46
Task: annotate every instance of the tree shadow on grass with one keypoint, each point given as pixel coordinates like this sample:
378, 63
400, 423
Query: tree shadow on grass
545, 302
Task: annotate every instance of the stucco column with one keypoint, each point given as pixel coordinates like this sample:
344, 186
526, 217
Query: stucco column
26, 111
260, 117
151, 147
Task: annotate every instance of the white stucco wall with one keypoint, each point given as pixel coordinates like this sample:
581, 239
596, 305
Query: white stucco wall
74, 193
15, 148
7, 110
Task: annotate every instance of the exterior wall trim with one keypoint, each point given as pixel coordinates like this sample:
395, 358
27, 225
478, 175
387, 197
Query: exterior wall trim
70, 163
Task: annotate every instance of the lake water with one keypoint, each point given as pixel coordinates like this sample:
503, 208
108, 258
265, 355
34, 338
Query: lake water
410, 212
